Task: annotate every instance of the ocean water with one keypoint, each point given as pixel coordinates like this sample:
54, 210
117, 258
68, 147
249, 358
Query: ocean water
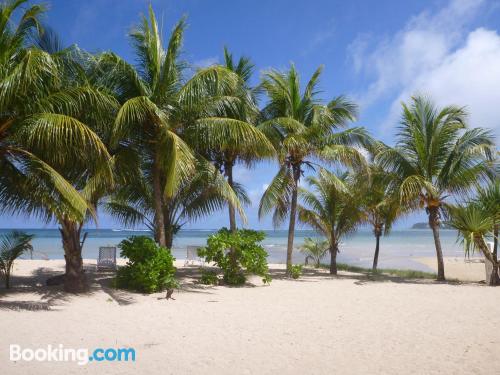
398, 250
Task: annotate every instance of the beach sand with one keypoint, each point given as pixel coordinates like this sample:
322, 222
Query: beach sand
459, 268
315, 325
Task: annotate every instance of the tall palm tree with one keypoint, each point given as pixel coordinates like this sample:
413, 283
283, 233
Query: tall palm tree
379, 203
230, 136
331, 209
474, 225
435, 156
157, 106
302, 129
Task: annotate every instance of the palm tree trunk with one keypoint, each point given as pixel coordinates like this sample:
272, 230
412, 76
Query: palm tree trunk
158, 206
74, 278
7, 278
228, 169
496, 229
434, 224
293, 217
334, 249
377, 248
494, 279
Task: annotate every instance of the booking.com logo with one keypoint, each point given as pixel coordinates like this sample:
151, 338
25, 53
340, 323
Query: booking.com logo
61, 354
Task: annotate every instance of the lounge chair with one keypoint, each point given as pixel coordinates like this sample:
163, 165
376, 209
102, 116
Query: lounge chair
107, 258
192, 256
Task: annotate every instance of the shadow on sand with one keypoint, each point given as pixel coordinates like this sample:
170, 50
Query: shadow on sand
40, 297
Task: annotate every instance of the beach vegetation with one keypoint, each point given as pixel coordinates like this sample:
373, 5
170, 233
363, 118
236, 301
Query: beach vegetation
12, 246
304, 131
150, 268
436, 156
296, 271
209, 277
315, 249
238, 254
330, 208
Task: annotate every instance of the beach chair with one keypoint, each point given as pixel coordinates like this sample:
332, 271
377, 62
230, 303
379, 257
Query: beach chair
192, 256
107, 258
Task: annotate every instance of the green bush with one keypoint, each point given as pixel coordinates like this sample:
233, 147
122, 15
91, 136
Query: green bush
149, 268
296, 271
237, 254
209, 278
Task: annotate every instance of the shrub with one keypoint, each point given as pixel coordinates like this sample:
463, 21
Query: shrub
237, 254
296, 271
150, 268
209, 278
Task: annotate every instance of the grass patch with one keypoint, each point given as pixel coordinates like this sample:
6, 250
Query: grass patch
407, 274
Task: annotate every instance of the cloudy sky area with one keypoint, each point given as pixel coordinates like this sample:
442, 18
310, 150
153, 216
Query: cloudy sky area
377, 52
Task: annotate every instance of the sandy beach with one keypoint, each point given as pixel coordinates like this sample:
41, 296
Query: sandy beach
319, 324
462, 269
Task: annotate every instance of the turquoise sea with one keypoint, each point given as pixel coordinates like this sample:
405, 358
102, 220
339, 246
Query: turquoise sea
397, 250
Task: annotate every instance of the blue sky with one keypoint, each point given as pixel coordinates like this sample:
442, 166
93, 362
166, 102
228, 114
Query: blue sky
377, 52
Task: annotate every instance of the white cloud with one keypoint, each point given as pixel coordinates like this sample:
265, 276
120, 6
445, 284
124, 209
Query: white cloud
437, 55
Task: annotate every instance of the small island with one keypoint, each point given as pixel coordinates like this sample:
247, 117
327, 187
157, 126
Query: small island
425, 225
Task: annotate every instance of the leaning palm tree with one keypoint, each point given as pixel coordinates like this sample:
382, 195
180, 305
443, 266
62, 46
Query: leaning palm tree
315, 250
488, 198
229, 137
331, 209
474, 225
379, 202
12, 246
302, 129
157, 106
436, 156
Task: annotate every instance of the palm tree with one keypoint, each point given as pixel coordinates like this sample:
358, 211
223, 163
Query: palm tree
302, 130
474, 224
202, 193
30, 100
12, 246
435, 156
379, 203
488, 198
157, 106
230, 137
315, 250
330, 209
52, 159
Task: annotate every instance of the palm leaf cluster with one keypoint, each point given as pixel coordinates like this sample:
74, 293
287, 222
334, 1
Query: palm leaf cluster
12, 246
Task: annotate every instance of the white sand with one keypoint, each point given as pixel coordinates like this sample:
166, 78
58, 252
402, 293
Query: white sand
459, 268
316, 325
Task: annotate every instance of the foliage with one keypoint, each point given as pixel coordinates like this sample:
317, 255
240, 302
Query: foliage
315, 250
159, 106
203, 192
436, 156
209, 277
330, 208
407, 274
296, 271
150, 268
304, 131
12, 246
237, 253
